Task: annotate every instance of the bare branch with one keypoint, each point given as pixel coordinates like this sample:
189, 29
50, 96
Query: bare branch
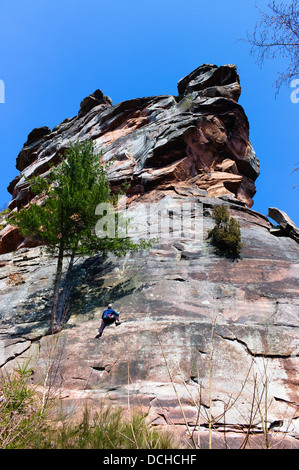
277, 35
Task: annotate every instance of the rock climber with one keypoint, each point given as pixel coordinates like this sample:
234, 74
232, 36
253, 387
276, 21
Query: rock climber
109, 316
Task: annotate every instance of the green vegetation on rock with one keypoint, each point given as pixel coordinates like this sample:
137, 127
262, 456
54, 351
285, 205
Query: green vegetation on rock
226, 235
65, 218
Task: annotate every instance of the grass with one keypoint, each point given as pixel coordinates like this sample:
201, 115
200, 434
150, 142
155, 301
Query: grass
29, 418
25, 422
109, 428
21, 412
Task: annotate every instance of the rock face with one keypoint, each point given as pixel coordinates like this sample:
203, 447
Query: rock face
200, 136
199, 332
183, 308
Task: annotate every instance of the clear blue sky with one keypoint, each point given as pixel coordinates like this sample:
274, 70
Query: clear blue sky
53, 54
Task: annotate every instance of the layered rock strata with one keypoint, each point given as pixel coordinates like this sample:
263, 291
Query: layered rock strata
188, 316
200, 136
201, 335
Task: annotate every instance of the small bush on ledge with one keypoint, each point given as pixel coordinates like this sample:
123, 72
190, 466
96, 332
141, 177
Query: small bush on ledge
226, 235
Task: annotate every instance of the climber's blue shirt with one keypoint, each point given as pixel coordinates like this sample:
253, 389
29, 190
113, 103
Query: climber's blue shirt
108, 312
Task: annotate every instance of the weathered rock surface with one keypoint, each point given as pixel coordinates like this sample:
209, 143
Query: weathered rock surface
200, 135
181, 305
286, 226
198, 330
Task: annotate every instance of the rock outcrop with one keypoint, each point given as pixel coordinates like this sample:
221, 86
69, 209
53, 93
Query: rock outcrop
199, 331
285, 226
200, 136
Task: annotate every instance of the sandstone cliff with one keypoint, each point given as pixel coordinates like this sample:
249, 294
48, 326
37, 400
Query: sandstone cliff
200, 136
200, 332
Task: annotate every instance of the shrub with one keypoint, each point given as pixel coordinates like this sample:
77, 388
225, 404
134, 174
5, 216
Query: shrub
15, 279
226, 235
4, 211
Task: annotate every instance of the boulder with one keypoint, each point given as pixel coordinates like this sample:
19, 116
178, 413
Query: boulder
286, 226
34, 140
11, 238
95, 99
212, 81
37, 134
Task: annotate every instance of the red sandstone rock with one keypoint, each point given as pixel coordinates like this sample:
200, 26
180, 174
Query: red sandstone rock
158, 140
174, 150
10, 239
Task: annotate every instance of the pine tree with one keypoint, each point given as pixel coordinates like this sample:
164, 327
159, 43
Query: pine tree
226, 235
66, 218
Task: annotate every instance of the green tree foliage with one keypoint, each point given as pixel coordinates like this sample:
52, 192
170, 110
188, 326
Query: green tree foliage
226, 235
66, 218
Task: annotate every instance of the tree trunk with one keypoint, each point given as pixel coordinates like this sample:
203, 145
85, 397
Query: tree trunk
57, 286
65, 294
